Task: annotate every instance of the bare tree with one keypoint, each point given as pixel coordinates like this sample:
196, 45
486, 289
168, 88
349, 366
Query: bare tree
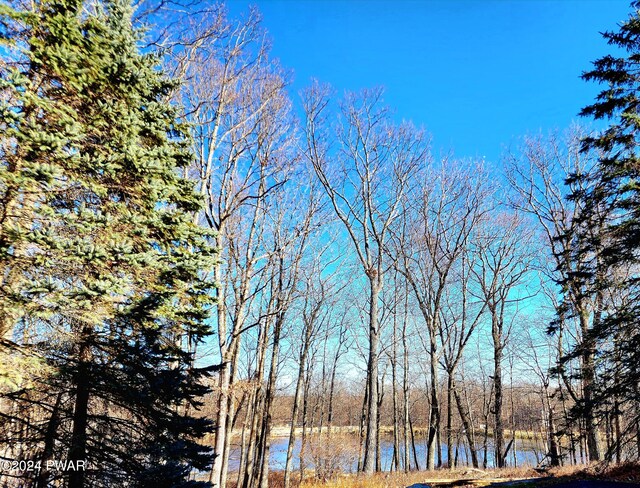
539, 354
538, 172
294, 224
460, 318
242, 130
365, 168
319, 293
504, 258
434, 236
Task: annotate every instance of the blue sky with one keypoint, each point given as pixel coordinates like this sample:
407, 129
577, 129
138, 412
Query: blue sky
476, 74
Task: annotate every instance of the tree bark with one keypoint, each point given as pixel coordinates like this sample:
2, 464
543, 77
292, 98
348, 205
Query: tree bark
498, 437
466, 424
449, 420
231, 415
395, 464
594, 450
434, 417
405, 385
554, 447
78, 448
270, 393
369, 463
49, 443
332, 386
295, 410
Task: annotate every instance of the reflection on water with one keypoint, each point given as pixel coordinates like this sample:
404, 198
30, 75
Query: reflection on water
525, 455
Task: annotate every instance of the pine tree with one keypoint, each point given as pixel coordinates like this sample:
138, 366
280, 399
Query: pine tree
618, 104
614, 197
102, 267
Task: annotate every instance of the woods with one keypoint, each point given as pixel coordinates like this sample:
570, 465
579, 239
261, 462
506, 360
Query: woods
102, 293
207, 277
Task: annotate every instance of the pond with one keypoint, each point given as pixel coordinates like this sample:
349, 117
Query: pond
525, 455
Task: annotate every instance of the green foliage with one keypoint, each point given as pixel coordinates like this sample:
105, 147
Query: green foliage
618, 103
609, 258
101, 265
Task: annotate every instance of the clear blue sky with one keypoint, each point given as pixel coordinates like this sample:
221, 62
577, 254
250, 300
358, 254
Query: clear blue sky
476, 74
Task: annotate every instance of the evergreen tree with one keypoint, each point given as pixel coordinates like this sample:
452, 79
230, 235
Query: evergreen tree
619, 166
102, 266
613, 199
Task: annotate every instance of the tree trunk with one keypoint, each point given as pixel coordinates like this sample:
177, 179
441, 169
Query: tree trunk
303, 437
497, 411
588, 380
486, 413
406, 420
405, 388
269, 396
379, 410
498, 437
434, 417
243, 446
78, 448
468, 428
254, 437
449, 419
637, 420
369, 463
554, 448
294, 414
593, 441
231, 414
332, 387
224, 384
255, 407
49, 443
413, 445
395, 464
363, 426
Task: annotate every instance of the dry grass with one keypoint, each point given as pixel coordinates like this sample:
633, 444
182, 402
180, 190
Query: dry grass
276, 480
628, 472
398, 480
401, 480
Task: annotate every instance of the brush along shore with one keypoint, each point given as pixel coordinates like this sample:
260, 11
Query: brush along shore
284, 430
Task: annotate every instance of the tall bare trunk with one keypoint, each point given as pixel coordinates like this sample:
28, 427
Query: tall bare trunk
554, 448
395, 462
269, 396
243, 445
413, 445
449, 420
636, 388
294, 414
303, 437
468, 427
498, 437
405, 385
434, 417
231, 414
224, 383
378, 452
255, 407
369, 464
332, 387
363, 427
